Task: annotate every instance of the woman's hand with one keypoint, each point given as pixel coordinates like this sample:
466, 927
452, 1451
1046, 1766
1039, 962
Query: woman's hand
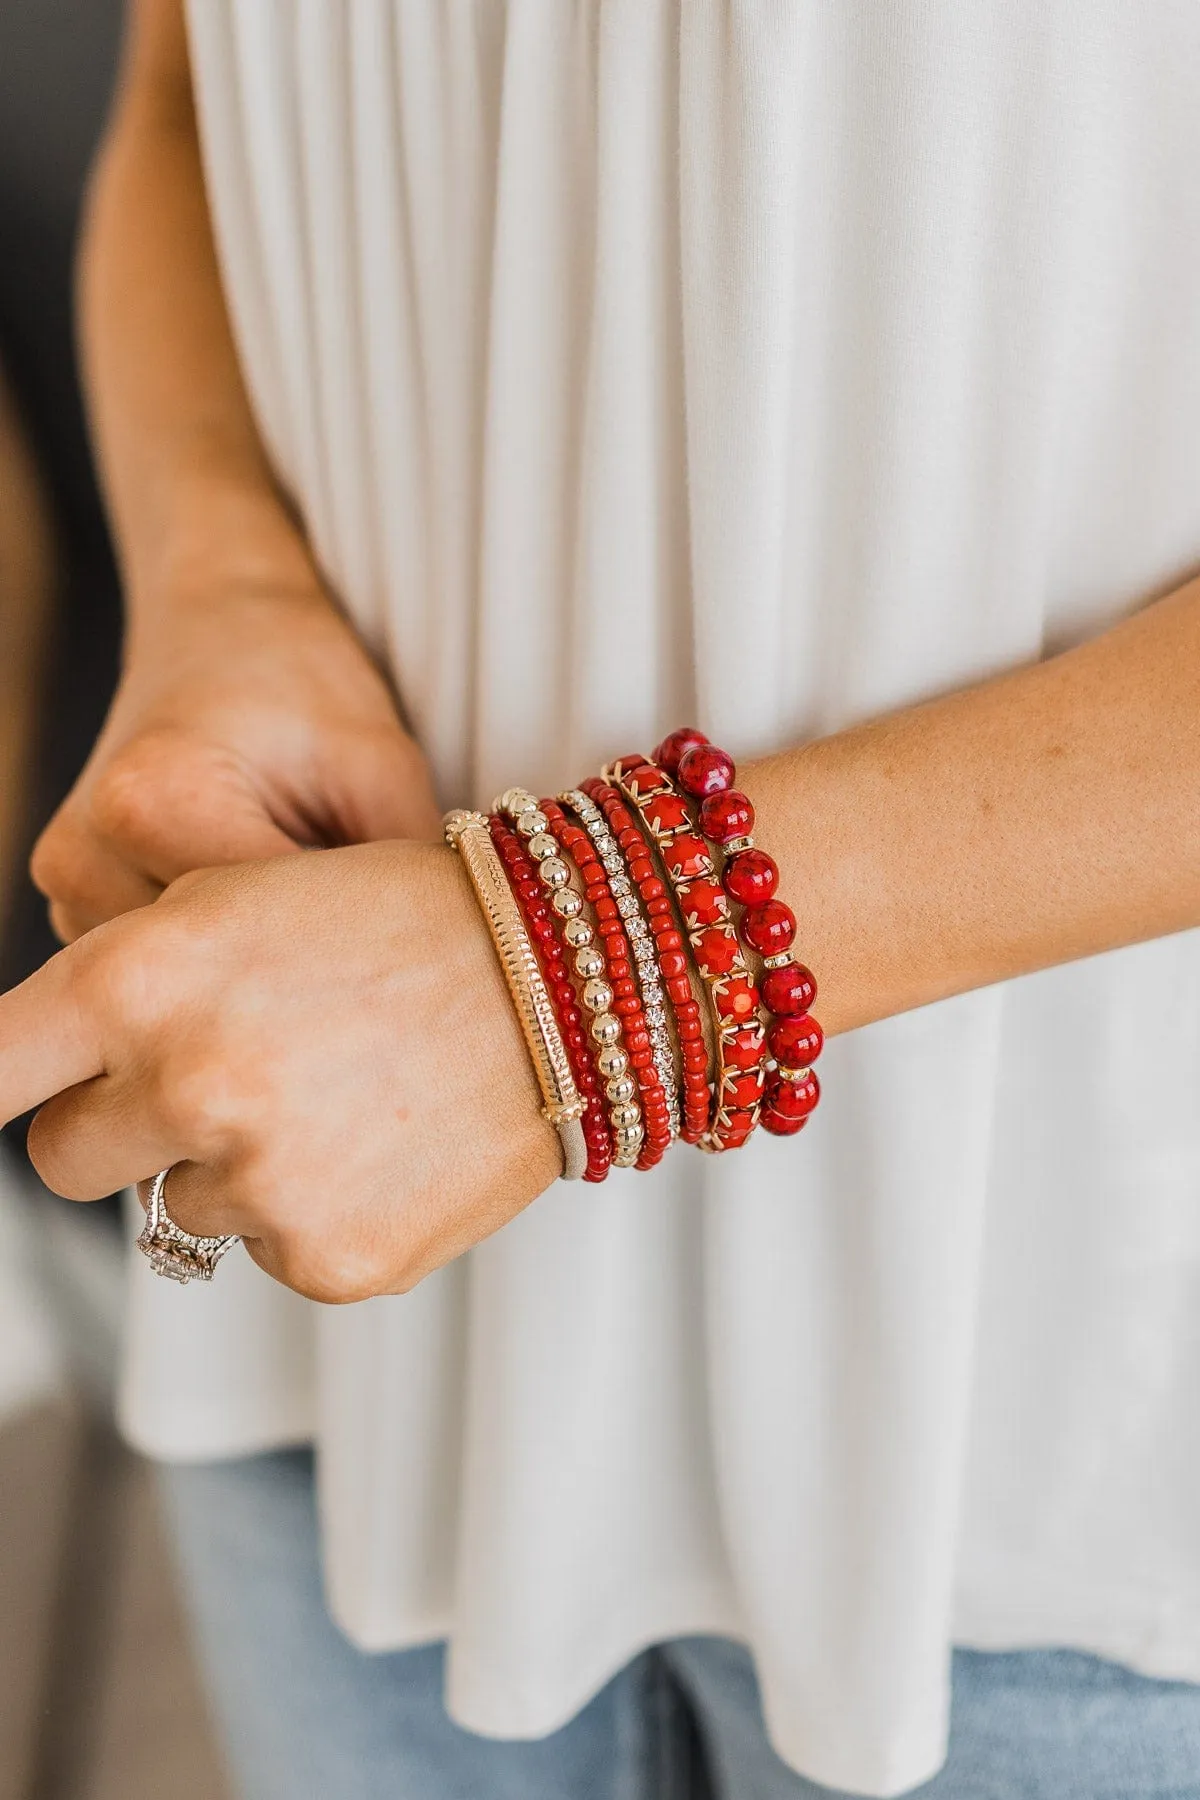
323, 1044
247, 724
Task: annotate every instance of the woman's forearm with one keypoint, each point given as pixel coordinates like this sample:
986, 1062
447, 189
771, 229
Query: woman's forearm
1046, 815
190, 492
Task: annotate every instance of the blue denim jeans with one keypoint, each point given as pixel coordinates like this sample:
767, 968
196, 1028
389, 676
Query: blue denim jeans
305, 1716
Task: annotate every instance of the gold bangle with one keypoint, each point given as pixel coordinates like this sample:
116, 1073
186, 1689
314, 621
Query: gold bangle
563, 1105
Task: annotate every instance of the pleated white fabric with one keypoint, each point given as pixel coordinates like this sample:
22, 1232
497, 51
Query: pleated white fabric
765, 364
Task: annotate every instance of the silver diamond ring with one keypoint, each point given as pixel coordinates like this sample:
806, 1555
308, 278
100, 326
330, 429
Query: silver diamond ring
173, 1252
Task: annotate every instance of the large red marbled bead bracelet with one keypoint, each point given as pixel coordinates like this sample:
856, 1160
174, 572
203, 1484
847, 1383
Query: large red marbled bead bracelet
669, 952
751, 877
739, 1076
608, 1028
544, 926
606, 905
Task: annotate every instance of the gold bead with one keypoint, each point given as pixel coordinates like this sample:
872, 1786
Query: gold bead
621, 1090
578, 933
567, 903
554, 872
589, 962
606, 1029
628, 1136
626, 1115
515, 800
531, 822
597, 996
541, 844
612, 1062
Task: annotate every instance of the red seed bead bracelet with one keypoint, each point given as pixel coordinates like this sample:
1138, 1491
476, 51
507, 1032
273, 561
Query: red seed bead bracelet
739, 1078
627, 1001
607, 1028
751, 877
544, 927
631, 906
670, 953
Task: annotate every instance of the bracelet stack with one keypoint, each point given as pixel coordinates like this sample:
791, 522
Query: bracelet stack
649, 958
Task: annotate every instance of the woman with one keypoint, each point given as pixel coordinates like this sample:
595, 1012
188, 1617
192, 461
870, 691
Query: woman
831, 377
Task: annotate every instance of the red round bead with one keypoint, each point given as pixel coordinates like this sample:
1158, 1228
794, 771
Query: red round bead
780, 1124
794, 1099
791, 989
796, 1042
769, 929
673, 962
751, 877
706, 770
677, 745
726, 815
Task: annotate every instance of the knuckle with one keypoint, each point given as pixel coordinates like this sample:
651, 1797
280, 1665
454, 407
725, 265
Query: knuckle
59, 861
126, 799
121, 976
137, 968
47, 1153
328, 1273
201, 1105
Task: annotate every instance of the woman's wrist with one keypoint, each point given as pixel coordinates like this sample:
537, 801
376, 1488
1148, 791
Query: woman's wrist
220, 542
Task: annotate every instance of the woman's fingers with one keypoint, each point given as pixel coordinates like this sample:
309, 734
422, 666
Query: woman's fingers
97, 1138
160, 808
85, 882
51, 1034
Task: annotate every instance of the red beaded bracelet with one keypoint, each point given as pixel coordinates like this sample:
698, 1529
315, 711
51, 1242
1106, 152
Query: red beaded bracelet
606, 1025
671, 955
767, 926
627, 1001
544, 927
631, 906
739, 1078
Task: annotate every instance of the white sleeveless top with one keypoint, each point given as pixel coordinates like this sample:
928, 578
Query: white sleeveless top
641, 361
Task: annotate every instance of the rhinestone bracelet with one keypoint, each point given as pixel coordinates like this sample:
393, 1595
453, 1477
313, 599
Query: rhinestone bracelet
669, 952
611, 896
630, 901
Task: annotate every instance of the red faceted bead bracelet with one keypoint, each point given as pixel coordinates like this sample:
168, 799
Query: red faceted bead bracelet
750, 877
669, 946
739, 1077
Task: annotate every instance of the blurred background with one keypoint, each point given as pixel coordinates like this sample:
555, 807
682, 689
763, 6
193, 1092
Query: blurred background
98, 1694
